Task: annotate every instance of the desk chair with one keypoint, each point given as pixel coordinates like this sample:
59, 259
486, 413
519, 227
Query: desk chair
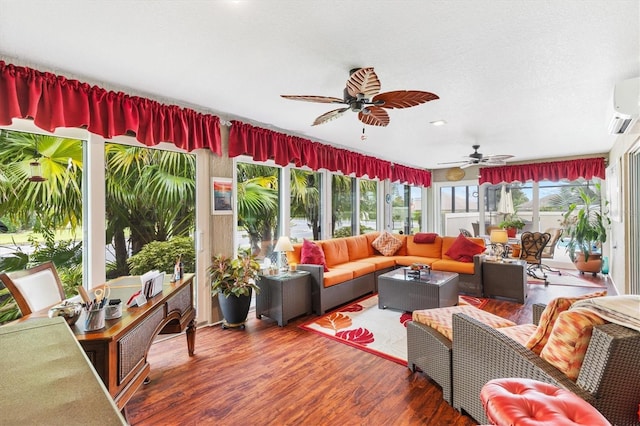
34, 288
532, 244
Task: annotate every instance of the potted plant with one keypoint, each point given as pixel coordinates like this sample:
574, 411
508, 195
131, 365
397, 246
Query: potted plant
585, 227
233, 280
512, 223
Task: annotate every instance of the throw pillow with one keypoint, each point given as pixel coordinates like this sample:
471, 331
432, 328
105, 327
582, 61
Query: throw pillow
312, 254
549, 315
387, 244
463, 249
424, 237
569, 341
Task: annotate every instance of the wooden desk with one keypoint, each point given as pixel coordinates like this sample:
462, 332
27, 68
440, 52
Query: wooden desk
119, 351
44, 371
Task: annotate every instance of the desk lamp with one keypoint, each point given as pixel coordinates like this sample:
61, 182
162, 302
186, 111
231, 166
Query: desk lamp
283, 245
499, 239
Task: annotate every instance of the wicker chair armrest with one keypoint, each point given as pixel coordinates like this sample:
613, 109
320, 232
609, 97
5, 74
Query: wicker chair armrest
538, 308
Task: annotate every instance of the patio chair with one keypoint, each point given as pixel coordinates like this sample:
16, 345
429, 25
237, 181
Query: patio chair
35, 288
549, 250
532, 244
465, 232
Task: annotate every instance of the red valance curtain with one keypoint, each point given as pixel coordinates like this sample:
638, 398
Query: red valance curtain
554, 171
53, 101
262, 144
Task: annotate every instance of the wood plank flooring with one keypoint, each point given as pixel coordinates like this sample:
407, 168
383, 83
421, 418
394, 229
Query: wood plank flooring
270, 375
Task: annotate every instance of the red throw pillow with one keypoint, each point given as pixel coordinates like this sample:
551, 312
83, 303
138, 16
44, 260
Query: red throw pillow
463, 249
424, 237
312, 254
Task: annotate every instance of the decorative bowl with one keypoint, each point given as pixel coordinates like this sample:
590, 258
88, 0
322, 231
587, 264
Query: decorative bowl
68, 310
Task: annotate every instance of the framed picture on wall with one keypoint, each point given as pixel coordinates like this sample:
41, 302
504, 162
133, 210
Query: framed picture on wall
221, 195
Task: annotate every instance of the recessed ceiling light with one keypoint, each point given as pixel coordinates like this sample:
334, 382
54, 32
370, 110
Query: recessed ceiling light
439, 123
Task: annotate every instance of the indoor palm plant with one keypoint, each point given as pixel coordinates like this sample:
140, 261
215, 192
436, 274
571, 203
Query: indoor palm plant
585, 225
233, 280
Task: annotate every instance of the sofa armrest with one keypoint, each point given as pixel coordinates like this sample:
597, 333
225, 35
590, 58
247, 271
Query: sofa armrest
480, 354
317, 283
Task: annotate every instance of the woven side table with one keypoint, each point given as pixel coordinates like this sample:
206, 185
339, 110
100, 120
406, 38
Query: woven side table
283, 297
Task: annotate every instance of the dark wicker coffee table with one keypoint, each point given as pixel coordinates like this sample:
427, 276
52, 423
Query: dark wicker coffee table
433, 290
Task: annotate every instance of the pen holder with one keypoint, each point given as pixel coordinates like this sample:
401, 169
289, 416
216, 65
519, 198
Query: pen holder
94, 319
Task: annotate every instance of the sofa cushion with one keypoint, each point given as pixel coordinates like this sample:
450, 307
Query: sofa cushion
409, 260
336, 276
433, 250
359, 247
312, 254
569, 340
441, 319
549, 316
295, 256
453, 266
520, 333
387, 244
380, 262
335, 251
463, 249
358, 268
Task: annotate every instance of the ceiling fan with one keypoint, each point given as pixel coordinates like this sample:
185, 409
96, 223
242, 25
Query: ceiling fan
362, 95
477, 158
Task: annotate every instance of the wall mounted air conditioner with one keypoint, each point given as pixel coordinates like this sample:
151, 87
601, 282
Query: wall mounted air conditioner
626, 105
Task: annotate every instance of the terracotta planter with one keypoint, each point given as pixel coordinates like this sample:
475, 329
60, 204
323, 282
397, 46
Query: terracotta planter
511, 232
593, 265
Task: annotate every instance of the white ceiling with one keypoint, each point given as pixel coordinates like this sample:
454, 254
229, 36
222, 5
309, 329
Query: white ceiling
529, 78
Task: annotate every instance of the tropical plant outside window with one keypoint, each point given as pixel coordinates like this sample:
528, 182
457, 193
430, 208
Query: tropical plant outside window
149, 202
305, 206
406, 208
368, 206
342, 203
258, 202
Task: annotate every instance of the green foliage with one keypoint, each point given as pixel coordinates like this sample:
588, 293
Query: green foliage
585, 224
345, 231
511, 221
234, 276
161, 255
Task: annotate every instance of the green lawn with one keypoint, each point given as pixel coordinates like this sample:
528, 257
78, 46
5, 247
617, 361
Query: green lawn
21, 238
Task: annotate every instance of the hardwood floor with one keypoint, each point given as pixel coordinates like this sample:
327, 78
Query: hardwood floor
272, 375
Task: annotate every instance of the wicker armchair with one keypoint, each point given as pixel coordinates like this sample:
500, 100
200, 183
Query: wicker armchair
609, 376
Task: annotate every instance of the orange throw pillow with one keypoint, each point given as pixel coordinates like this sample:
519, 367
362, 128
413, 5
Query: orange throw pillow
569, 341
387, 244
312, 254
463, 249
548, 318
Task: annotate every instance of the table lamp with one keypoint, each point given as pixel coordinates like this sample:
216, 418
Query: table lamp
499, 239
283, 245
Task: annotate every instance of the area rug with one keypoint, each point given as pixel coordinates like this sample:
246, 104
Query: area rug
362, 325
566, 280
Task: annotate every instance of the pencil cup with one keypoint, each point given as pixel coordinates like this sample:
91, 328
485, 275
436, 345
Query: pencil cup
95, 319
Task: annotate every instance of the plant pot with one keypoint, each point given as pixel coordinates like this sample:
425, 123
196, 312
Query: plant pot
511, 232
234, 310
593, 265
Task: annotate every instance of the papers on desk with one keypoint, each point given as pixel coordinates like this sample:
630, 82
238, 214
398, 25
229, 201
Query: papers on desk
152, 283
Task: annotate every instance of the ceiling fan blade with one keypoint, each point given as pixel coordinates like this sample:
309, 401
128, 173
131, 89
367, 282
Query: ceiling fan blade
464, 166
454, 162
404, 98
498, 157
312, 98
328, 116
375, 117
363, 81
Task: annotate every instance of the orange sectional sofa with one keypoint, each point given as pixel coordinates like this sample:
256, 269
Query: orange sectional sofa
354, 266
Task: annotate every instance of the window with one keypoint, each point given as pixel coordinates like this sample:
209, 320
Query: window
305, 205
342, 206
258, 200
368, 206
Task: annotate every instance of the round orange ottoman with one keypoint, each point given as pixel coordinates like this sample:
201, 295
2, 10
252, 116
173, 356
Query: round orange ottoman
526, 402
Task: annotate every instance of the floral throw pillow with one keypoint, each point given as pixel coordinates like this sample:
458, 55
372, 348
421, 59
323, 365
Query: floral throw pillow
312, 254
387, 244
